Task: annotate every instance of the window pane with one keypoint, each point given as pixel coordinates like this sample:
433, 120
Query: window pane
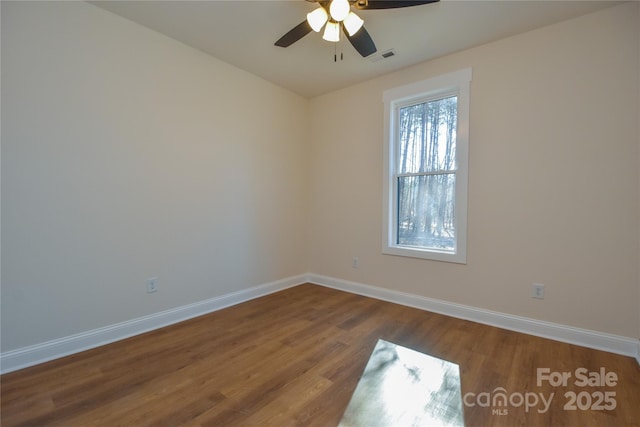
427, 135
426, 211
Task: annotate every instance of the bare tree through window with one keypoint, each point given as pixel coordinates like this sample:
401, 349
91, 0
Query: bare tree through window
426, 174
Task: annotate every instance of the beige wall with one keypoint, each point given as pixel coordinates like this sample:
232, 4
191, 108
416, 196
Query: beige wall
127, 155
638, 122
553, 187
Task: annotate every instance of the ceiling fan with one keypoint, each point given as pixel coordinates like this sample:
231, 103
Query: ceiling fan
337, 15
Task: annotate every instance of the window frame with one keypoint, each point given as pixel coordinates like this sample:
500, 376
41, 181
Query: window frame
455, 83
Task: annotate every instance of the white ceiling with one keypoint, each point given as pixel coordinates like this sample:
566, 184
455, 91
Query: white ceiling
243, 32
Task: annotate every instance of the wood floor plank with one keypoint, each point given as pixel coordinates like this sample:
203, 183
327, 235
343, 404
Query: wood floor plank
294, 358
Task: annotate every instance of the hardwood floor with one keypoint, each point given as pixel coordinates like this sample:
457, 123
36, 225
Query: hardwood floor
295, 357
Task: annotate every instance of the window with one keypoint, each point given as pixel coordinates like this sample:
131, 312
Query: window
426, 162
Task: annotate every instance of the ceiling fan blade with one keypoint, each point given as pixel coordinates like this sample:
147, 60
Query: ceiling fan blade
390, 4
296, 33
362, 42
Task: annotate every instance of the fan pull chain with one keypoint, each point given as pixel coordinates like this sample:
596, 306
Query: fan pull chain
335, 52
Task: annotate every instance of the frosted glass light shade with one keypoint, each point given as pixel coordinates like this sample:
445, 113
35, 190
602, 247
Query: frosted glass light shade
352, 23
332, 32
317, 18
339, 9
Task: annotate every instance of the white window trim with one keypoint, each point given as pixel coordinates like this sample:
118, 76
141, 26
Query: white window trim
455, 83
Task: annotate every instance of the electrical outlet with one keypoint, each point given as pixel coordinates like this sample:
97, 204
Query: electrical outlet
355, 262
152, 285
537, 291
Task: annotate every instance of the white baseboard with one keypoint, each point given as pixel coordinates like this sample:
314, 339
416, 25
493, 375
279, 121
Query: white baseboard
39, 353
44, 352
583, 337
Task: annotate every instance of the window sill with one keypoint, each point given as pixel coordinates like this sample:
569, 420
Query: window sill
429, 254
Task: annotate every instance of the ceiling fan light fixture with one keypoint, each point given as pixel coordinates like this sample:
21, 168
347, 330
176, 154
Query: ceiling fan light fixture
339, 9
317, 18
332, 32
353, 23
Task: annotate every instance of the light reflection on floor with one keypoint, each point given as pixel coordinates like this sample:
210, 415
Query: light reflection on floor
402, 387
